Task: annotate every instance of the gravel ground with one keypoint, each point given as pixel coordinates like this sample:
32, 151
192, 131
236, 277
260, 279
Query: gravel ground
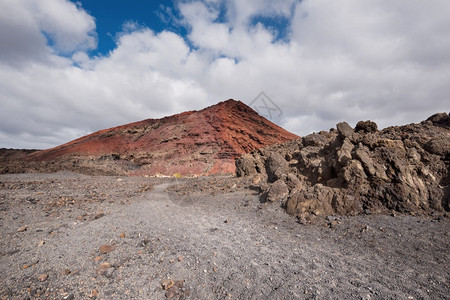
70, 236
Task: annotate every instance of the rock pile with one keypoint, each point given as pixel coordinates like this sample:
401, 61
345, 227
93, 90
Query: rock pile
350, 171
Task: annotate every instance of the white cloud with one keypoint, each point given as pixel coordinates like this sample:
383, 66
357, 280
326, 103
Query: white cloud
69, 27
240, 13
26, 25
347, 60
371, 53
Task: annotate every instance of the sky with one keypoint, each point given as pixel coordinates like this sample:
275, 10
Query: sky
69, 68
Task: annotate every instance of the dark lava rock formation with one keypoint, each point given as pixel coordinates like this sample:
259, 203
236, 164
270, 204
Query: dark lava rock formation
350, 171
201, 142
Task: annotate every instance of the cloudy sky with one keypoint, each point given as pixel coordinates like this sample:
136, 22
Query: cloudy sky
68, 68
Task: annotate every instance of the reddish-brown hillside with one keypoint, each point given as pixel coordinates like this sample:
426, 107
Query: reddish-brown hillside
201, 142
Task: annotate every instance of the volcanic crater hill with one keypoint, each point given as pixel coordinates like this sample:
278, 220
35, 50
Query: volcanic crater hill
359, 170
201, 142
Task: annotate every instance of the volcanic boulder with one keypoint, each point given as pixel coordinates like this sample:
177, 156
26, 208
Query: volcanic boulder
346, 171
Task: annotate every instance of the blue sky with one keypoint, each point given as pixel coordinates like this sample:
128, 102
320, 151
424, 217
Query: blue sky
111, 16
68, 68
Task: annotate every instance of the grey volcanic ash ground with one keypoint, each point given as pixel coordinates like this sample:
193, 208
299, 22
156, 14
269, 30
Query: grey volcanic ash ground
70, 236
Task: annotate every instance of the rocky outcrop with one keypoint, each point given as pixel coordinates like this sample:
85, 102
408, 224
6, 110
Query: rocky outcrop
192, 143
351, 171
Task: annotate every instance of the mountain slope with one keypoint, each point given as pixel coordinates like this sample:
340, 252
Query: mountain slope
201, 142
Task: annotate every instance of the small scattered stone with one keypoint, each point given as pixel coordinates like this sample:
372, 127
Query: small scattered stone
177, 290
31, 200
365, 228
109, 272
12, 252
22, 229
99, 215
106, 248
331, 218
97, 258
43, 277
41, 243
36, 292
171, 293
30, 265
104, 265
93, 293
66, 272
167, 284
302, 220
180, 258
122, 235
105, 269
333, 224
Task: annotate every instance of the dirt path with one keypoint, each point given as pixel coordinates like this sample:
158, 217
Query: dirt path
227, 246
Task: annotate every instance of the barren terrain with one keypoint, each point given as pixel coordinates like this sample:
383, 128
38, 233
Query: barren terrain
70, 236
